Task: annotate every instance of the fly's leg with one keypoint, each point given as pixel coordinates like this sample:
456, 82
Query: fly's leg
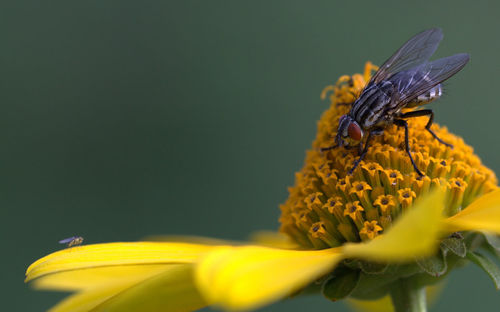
361, 150
324, 149
346, 103
377, 131
430, 113
363, 153
403, 123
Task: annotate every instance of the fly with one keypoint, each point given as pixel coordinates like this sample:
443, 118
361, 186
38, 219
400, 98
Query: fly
406, 80
72, 241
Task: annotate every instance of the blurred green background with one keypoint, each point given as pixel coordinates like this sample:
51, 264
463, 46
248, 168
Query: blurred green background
121, 119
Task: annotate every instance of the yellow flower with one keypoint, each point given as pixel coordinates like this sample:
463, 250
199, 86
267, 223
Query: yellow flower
342, 231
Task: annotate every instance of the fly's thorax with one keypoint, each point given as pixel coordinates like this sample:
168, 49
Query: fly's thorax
427, 97
370, 108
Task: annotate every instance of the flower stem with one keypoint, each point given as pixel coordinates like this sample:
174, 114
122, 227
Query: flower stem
408, 297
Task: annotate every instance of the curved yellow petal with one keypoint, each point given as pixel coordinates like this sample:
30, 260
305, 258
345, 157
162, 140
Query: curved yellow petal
112, 254
273, 239
89, 278
191, 239
87, 300
262, 238
242, 278
483, 214
415, 233
172, 290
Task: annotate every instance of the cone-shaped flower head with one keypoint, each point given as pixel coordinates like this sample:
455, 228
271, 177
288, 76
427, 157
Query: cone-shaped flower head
327, 207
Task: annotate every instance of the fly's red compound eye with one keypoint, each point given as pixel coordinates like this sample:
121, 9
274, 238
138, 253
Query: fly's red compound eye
354, 131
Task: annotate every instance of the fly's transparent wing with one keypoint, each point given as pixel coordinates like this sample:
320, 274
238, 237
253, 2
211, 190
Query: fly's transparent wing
428, 75
67, 240
414, 52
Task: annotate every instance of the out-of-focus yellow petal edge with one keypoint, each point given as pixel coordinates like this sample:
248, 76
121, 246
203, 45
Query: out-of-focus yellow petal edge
416, 233
383, 304
191, 239
245, 278
87, 300
261, 238
273, 239
171, 290
115, 254
91, 278
481, 215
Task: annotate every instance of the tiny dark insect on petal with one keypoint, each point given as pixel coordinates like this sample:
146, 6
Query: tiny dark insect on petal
72, 241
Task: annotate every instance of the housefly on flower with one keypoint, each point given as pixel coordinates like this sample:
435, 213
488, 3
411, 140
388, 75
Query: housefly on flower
406, 80
72, 241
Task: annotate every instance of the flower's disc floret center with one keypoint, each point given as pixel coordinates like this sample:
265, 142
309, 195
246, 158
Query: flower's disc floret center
327, 207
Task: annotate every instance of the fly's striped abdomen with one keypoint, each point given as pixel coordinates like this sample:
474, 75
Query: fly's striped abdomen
427, 97
369, 109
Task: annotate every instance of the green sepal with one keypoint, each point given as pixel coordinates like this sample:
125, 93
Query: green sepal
373, 267
341, 284
452, 261
311, 289
435, 265
351, 263
473, 240
492, 244
368, 267
487, 265
455, 245
374, 286
492, 240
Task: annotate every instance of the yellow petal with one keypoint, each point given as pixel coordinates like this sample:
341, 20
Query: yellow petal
87, 300
112, 254
262, 238
89, 278
191, 239
415, 233
242, 278
172, 290
273, 239
483, 214
383, 304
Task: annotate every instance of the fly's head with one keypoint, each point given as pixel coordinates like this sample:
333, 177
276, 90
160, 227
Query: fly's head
349, 132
